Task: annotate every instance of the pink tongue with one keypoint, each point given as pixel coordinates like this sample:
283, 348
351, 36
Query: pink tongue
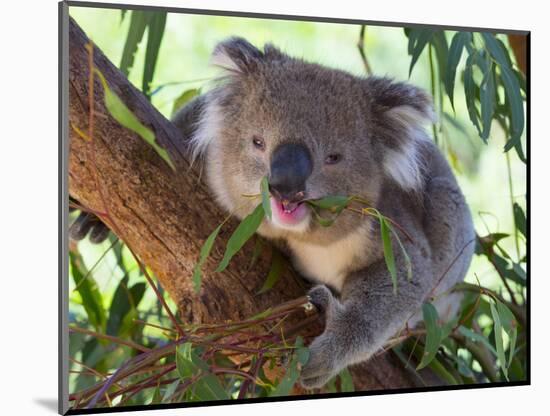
292, 214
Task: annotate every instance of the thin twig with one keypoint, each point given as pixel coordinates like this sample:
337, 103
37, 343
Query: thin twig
361, 48
116, 340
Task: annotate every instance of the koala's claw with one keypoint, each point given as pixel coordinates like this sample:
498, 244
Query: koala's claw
85, 224
321, 297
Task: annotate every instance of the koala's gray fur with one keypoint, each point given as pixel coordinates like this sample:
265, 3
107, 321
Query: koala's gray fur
376, 125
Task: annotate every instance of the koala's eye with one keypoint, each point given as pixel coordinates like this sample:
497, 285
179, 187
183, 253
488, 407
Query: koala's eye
258, 142
333, 159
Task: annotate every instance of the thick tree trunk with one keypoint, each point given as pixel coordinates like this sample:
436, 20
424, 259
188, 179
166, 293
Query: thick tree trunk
165, 216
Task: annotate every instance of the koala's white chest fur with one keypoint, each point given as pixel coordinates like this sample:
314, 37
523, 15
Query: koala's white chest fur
330, 264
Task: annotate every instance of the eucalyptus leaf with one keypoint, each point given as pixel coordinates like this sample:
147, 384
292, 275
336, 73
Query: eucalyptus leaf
241, 235
205, 252
299, 358
474, 336
453, 58
346, 382
499, 343
496, 49
124, 301
86, 286
519, 219
515, 102
155, 31
275, 271
333, 203
421, 39
439, 43
184, 361
469, 91
487, 98
125, 117
184, 98
138, 24
209, 388
433, 334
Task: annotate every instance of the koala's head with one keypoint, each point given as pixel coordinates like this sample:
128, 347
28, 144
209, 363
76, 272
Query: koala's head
311, 130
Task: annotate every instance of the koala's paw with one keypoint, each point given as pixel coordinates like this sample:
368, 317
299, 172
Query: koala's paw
322, 298
322, 364
325, 351
88, 224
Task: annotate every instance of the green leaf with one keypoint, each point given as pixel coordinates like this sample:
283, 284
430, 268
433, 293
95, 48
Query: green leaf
170, 390
469, 91
346, 382
439, 370
448, 327
299, 358
515, 103
275, 271
156, 398
499, 343
124, 301
205, 252
474, 336
497, 49
388, 251
512, 347
487, 98
184, 98
507, 318
433, 334
520, 220
333, 203
439, 43
519, 274
92, 301
420, 40
264, 187
155, 31
138, 23
258, 248
184, 361
208, 387
189, 364
241, 235
408, 263
453, 58
125, 117
324, 222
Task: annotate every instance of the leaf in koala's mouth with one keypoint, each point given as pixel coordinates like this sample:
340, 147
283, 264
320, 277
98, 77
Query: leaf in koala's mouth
333, 203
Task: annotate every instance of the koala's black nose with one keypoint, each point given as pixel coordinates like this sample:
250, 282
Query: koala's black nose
291, 165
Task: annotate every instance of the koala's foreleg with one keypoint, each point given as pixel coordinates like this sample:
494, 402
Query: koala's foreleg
363, 320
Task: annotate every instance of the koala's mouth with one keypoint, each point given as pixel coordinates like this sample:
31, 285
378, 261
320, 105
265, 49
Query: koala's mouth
289, 213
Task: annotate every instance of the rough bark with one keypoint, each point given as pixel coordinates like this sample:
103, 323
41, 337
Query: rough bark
165, 216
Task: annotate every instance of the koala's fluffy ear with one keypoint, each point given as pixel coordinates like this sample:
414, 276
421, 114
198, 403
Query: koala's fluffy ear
236, 55
400, 111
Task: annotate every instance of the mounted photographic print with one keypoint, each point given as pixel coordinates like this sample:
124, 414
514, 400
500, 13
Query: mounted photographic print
267, 207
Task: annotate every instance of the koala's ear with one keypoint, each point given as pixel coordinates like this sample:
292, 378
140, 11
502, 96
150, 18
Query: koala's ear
236, 55
400, 111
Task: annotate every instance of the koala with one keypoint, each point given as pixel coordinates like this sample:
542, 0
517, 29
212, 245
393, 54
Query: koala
315, 131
